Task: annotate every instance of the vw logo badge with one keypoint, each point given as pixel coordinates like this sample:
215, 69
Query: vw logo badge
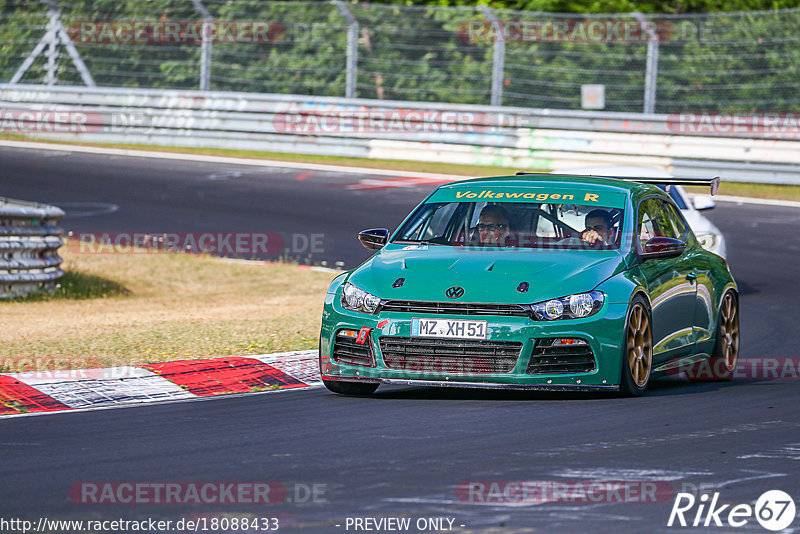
454, 292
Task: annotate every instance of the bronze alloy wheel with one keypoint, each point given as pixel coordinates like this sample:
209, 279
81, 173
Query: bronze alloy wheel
640, 345
729, 332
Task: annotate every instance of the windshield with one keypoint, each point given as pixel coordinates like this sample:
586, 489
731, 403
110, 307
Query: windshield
513, 225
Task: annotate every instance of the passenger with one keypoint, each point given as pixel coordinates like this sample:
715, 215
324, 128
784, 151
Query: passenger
598, 229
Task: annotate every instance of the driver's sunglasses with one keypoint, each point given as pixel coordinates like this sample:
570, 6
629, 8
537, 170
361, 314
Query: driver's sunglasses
597, 228
490, 227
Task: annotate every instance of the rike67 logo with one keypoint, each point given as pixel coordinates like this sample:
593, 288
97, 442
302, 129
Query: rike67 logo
774, 510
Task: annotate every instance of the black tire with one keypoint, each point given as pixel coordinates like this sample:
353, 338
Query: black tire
637, 349
725, 355
350, 388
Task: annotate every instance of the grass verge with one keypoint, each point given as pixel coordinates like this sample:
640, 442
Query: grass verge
133, 309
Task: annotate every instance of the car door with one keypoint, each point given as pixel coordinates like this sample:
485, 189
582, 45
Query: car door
671, 282
704, 266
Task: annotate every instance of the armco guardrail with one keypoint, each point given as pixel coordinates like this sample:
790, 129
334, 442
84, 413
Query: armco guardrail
29, 242
512, 137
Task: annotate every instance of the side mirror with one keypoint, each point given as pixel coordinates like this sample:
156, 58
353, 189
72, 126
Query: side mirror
374, 239
662, 247
703, 202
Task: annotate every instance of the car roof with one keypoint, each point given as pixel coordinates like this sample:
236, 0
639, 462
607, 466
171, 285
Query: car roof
546, 179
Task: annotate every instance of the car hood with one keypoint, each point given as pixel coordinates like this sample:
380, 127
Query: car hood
485, 276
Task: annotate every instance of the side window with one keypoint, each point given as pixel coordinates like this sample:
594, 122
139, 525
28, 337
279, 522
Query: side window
647, 227
657, 218
676, 220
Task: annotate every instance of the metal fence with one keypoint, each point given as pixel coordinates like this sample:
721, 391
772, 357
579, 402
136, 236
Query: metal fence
466, 55
29, 243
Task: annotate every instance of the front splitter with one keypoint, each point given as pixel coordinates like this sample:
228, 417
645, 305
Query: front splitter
478, 385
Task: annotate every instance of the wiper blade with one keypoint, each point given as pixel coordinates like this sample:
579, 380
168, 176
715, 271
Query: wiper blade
414, 242
410, 242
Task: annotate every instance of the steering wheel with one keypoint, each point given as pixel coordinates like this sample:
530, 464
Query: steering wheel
578, 242
597, 245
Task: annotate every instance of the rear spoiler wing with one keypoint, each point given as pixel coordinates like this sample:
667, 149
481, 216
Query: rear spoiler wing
713, 183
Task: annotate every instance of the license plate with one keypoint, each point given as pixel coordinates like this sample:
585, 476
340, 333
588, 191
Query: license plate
448, 328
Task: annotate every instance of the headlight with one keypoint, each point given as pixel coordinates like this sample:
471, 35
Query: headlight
707, 241
356, 299
572, 307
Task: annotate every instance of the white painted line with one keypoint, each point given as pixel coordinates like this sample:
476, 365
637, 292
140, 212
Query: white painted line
632, 474
325, 269
77, 210
223, 159
762, 201
268, 262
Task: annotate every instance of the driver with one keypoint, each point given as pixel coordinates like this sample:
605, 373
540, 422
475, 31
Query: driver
493, 227
598, 228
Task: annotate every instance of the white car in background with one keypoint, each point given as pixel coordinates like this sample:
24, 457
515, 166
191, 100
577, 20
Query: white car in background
706, 232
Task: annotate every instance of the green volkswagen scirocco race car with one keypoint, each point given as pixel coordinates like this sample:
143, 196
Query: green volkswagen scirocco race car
533, 281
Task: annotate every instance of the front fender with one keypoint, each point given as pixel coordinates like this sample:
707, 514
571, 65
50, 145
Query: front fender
620, 288
336, 283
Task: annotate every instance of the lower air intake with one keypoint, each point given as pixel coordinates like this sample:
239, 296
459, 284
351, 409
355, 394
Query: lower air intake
560, 355
348, 352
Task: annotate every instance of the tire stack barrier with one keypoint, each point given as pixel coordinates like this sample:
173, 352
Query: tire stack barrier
29, 241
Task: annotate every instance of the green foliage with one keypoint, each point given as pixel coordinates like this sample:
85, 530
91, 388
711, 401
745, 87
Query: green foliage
614, 6
420, 51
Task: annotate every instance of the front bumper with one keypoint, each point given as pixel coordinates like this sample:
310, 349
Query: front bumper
603, 332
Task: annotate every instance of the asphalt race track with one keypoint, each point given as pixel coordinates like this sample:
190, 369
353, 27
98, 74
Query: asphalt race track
156, 196
405, 451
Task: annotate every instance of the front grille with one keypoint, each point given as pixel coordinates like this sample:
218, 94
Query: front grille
453, 356
548, 357
453, 308
347, 351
